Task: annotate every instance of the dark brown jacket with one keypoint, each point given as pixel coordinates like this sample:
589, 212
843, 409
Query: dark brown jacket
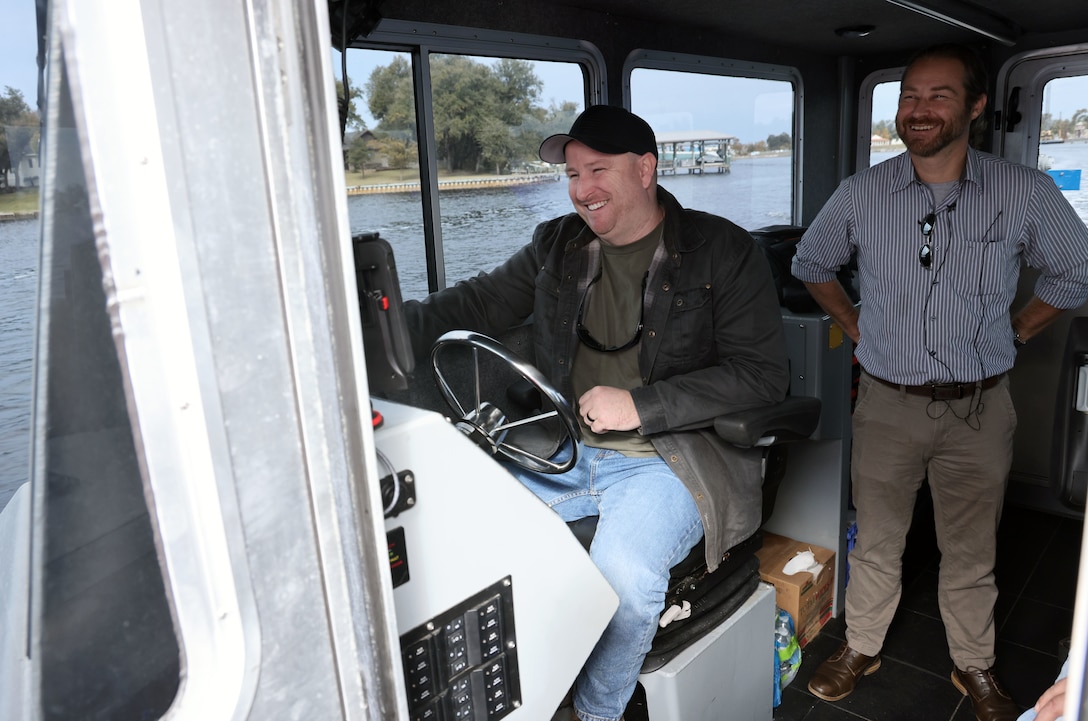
712, 344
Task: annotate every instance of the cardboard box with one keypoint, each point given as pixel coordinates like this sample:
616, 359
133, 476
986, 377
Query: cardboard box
808, 600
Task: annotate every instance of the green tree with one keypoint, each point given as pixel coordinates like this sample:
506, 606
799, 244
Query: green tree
20, 132
779, 142
397, 149
1080, 116
497, 145
353, 119
1064, 128
760, 146
359, 153
484, 115
466, 95
543, 122
518, 91
390, 97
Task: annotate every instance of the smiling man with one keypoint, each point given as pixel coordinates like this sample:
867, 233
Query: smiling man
939, 234
652, 320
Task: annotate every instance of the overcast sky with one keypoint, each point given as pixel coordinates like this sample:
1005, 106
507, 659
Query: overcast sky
19, 49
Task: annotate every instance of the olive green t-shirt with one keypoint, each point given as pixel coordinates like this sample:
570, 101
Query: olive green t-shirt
611, 312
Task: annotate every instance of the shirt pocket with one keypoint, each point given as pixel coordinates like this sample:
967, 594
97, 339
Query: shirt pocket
985, 266
689, 330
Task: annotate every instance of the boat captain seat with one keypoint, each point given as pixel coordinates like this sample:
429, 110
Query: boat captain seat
700, 600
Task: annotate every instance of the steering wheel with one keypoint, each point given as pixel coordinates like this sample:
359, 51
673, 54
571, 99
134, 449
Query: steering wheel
485, 423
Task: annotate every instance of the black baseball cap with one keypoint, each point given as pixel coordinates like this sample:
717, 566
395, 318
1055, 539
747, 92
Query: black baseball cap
606, 129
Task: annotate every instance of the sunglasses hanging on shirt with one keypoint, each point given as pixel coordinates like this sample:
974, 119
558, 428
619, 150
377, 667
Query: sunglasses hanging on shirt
587, 338
927, 224
925, 255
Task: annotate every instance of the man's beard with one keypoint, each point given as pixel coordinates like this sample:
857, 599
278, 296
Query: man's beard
949, 133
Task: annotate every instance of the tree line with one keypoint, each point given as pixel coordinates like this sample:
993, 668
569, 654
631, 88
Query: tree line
1064, 128
779, 141
488, 118
19, 133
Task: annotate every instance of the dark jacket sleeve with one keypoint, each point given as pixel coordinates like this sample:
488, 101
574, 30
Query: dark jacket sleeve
488, 303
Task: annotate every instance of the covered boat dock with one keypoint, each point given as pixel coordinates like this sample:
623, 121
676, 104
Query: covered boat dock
696, 151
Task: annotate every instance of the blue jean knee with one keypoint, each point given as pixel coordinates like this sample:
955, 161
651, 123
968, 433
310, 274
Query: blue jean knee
648, 522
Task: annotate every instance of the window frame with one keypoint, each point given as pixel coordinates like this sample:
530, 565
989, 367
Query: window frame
1031, 70
707, 65
863, 139
420, 40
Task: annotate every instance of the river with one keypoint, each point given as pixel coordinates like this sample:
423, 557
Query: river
18, 288
753, 195
480, 228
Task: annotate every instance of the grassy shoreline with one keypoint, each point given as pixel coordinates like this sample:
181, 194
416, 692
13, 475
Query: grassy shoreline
25, 203
354, 178
20, 204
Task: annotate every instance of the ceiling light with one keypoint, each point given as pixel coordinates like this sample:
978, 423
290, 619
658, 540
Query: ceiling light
855, 31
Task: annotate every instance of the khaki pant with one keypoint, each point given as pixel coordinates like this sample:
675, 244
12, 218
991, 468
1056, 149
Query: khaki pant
900, 440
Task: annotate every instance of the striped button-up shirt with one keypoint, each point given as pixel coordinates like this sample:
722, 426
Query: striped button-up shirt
946, 321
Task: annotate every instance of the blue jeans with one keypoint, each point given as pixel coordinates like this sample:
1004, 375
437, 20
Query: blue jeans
648, 522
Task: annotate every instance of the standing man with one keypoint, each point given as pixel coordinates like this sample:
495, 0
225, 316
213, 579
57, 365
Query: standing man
939, 232
653, 320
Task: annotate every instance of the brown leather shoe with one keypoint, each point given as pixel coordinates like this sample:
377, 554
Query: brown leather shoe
837, 676
989, 699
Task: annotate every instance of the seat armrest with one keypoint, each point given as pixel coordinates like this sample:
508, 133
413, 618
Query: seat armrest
793, 419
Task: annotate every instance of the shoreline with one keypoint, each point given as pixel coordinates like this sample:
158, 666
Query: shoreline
24, 215
413, 186
494, 181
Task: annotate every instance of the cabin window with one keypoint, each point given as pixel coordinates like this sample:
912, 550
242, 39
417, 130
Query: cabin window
736, 159
1041, 117
381, 158
1063, 138
884, 140
490, 116
487, 117
878, 102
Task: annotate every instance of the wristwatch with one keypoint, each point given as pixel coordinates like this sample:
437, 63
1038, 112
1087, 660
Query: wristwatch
1017, 341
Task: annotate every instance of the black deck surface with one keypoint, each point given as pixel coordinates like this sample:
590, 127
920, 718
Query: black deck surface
1036, 577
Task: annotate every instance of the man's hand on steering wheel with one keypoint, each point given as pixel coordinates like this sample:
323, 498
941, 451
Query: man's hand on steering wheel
486, 424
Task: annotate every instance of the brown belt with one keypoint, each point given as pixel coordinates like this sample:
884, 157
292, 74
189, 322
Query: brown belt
944, 391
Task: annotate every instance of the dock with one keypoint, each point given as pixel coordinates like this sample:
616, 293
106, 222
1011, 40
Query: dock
693, 151
497, 181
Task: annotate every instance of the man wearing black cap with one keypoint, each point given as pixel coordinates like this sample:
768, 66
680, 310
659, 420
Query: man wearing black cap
654, 320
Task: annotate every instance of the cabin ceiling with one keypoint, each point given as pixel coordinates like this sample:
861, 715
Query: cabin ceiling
898, 25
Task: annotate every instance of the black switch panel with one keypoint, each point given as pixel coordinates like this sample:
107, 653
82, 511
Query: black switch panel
462, 665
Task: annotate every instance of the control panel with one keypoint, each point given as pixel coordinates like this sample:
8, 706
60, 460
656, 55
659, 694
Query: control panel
462, 664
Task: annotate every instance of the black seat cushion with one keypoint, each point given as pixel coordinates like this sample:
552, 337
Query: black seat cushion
708, 610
